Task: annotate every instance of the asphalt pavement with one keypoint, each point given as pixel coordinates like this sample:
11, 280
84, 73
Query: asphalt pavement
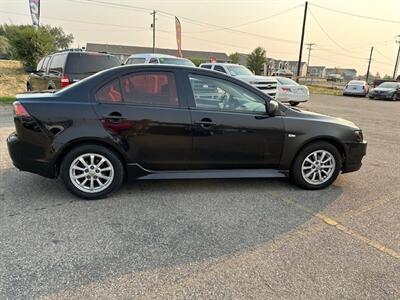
211, 239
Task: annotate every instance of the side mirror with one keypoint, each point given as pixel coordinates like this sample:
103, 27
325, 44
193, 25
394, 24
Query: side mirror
272, 107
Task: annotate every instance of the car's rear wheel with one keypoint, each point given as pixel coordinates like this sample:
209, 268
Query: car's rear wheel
316, 166
92, 171
293, 103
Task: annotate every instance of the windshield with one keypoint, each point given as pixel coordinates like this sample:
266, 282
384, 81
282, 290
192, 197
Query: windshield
176, 61
389, 85
239, 70
286, 81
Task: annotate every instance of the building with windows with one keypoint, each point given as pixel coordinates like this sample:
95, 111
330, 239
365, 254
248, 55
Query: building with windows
316, 71
123, 52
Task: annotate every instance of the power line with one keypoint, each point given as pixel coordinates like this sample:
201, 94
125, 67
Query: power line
250, 22
189, 20
383, 55
355, 15
326, 33
75, 21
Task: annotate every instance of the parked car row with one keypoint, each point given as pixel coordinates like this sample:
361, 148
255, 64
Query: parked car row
387, 90
61, 69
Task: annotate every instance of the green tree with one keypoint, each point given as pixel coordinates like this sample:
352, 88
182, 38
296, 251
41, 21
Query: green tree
62, 40
256, 60
29, 44
387, 77
234, 57
197, 61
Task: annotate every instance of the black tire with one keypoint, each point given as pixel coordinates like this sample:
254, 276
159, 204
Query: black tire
370, 97
28, 88
293, 103
394, 97
111, 156
296, 170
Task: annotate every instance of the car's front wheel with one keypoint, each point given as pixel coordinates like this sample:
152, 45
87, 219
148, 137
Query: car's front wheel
316, 166
92, 171
293, 103
394, 97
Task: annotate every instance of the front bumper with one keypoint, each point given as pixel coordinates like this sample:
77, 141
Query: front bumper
381, 96
354, 155
23, 155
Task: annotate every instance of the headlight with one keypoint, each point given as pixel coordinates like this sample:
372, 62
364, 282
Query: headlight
359, 135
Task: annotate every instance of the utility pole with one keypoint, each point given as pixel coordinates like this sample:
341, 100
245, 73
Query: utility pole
309, 48
302, 41
153, 25
397, 58
369, 64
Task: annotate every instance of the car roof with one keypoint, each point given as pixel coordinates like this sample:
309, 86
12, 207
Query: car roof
150, 55
217, 63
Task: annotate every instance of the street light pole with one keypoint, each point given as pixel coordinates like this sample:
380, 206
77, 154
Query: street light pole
154, 30
397, 59
369, 64
309, 48
302, 41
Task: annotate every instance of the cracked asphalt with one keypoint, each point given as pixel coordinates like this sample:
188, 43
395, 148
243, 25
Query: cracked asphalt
211, 239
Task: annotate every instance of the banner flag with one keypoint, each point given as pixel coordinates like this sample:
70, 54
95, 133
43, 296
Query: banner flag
35, 11
178, 36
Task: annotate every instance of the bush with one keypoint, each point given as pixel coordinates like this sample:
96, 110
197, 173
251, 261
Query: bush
197, 61
29, 44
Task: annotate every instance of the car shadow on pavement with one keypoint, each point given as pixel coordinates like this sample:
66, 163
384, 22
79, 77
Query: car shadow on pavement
54, 238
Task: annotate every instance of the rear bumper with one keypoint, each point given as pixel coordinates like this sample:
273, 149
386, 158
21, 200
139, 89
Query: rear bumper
22, 155
354, 93
354, 155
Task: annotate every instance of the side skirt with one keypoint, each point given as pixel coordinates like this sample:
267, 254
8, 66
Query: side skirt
135, 171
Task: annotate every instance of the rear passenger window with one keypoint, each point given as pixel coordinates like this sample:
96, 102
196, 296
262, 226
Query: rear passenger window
111, 92
206, 66
150, 88
219, 69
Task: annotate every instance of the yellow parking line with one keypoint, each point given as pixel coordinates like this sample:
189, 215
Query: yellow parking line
332, 222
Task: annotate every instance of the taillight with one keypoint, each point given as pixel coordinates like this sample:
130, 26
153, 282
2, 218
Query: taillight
64, 81
19, 110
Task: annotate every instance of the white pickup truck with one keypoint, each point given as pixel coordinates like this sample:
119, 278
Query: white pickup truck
265, 83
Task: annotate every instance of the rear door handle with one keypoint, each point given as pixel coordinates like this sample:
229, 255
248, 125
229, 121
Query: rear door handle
114, 117
205, 123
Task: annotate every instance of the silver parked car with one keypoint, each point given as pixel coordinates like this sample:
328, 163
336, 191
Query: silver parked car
290, 91
356, 88
157, 58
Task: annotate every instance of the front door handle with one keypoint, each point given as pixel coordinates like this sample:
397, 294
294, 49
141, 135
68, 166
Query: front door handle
206, 122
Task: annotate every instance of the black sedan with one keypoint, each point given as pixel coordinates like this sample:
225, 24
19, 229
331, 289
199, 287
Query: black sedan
387, 91
164, 122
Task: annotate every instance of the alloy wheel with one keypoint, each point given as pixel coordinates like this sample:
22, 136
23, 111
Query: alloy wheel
91, 172
318, 167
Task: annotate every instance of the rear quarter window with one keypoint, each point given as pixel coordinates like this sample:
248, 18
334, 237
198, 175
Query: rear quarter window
90, 63
57, 63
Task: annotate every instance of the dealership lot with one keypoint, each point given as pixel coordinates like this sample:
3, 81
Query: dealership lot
207, 239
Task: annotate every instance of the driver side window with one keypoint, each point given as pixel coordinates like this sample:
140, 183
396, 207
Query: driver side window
216, 94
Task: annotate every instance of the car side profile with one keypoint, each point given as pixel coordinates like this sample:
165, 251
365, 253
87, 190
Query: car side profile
58, 70
386, 91
162, 122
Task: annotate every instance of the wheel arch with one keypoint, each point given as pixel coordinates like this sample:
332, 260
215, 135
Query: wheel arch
91, 141
328, 139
